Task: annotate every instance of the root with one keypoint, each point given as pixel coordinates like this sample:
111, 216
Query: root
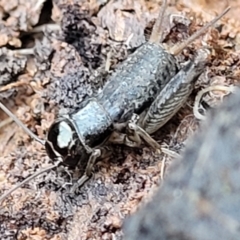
200, 94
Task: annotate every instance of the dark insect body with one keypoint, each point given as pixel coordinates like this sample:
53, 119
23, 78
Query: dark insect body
143, 93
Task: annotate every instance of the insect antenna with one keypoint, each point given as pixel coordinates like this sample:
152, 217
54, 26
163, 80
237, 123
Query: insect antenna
18, 122
157, 31
35, 137
5, 195
178, 48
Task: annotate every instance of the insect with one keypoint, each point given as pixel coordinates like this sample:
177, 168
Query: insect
143, 93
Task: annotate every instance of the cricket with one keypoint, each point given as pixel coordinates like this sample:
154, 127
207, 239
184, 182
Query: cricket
139, 97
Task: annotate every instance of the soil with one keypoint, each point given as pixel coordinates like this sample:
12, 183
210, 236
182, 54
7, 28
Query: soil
53, 56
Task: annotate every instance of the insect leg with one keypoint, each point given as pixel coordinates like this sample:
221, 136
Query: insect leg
174, 94
97, 154
133, 135
137, 133
123, 139
134, 140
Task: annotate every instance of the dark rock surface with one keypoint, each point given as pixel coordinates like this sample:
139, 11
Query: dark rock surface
200, 198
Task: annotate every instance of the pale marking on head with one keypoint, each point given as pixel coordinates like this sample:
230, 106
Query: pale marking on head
65, 135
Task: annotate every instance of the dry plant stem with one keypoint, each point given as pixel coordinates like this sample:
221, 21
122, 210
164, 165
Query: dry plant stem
25, 51
108, 61
175, 50
5, 122
162, 168
27, 130
200, 94
19, 52
42, 28
128, 40
13, 85
170, 152
5, 195
38, 5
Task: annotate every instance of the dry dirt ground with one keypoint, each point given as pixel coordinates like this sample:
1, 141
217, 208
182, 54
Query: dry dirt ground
53, 56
